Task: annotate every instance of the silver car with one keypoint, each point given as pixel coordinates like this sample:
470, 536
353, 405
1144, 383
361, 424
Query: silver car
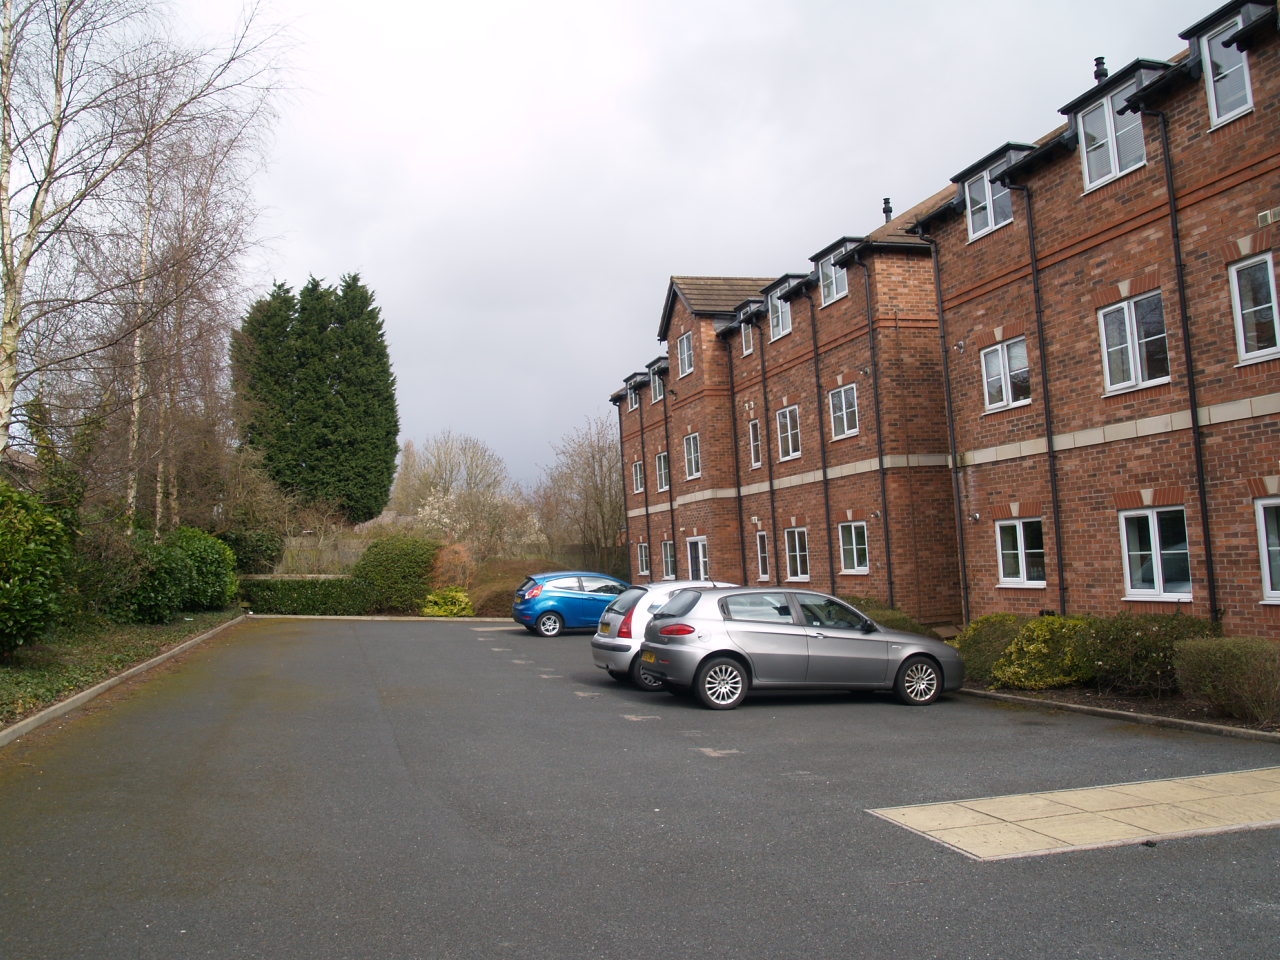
722, 643
616, 645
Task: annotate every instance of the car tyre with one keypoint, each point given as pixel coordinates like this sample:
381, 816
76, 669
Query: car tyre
620, 677
721, 683
550, 625
643, 680
919, 681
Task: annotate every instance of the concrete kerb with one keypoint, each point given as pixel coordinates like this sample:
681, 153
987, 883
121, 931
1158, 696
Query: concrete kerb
1199, 726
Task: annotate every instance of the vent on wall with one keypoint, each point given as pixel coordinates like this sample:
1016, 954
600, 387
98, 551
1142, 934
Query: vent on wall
1268, 217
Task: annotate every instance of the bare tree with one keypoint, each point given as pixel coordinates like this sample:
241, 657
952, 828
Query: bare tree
91, 93
580, 495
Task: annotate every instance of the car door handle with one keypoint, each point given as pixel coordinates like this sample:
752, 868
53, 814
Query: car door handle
819, 635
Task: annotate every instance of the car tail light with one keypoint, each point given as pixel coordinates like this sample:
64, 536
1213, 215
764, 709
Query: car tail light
533, 591
676, 630
624, 628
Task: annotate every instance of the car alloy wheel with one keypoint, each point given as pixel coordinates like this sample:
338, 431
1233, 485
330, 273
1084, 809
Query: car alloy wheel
721, 683
643, 680
550, 625
919, 681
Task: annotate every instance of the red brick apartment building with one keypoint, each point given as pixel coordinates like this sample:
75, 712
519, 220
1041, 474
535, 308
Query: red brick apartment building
1054, 386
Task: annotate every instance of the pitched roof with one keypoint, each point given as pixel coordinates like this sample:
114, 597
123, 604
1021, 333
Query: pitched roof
709, 296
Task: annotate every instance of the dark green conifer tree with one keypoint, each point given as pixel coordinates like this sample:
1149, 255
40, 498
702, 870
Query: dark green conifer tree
317, 394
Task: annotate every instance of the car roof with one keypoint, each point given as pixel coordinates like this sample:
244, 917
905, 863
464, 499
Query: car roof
572, 573
683, 584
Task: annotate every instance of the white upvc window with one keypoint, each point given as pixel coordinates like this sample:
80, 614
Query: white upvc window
762, 554
779, 316
662, 468
1226, 75
748, 338
1253, 301
1111, 143
684, 354
642, 558
1005, 375
987, 201
633, 399
699, 563
1134, 348
657, 388
668, 559
637, 476
853, 548
789, 433
797, 553
753, 443
844, 411
692, 456
833, 280
1157, 558
1020, 544
1269, 547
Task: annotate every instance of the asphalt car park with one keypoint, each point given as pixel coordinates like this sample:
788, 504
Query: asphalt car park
326, 789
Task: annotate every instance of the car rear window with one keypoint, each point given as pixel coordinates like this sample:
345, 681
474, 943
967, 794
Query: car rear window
524, 587
680, 603
626, 600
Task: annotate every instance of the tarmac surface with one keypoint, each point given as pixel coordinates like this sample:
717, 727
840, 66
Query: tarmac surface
328, 789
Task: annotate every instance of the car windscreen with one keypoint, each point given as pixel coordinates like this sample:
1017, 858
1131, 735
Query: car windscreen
680, 604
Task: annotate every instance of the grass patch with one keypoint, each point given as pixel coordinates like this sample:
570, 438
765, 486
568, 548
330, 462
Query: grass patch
74, 659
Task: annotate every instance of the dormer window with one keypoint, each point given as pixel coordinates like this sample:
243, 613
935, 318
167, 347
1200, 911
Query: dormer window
1226, 74
834, 280
633, 398
657, 389
1111, 142
987, 201
779, 316
748, 338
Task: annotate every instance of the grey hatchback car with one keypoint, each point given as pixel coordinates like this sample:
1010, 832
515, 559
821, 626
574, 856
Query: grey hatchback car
723, 643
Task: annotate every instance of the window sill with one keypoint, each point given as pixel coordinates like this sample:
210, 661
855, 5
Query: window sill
1221, 122
1135, 387
990, 230
845, 436
1091, 187
1032, 585
827, 303
1269, 602
1007, 407
1167, 598
794, 456
856, 573
1259, 357
797, 580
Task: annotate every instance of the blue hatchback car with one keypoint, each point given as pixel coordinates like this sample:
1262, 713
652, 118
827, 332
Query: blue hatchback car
549, 603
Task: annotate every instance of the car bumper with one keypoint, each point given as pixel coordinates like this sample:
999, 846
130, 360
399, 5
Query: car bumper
676, 665
612, 654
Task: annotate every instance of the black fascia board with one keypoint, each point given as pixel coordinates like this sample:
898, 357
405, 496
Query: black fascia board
782, 283
797, 287
658, 366
637, 379
1008, 150
831, 248
1114, 81
1254, 13
1064, 143
951, 208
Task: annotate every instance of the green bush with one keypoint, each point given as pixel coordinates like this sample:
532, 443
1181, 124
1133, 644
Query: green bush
888, 617
1237, 676
332, 597
984, 641
165, 573
1133, 654
105, 566
448, 602
1045, 653
34, 550
396, 571
256, 551
213, 582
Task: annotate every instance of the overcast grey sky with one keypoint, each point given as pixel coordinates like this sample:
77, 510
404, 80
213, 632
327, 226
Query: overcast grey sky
516, 180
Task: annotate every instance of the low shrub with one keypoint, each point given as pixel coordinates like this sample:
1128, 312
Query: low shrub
888, 617
213, 569
256, 551
165, 571
1237, 676
1133, 655
453, 567
448, 602
327, 597
396, 571
984, 641
34, 550
1045, 652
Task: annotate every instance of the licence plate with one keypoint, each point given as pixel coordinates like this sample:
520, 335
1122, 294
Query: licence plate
604, 628
648, 656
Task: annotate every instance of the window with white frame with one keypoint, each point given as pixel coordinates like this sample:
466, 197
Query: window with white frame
633, 399
642, 558
1135, 351
779, 316
789, 433
748, 338
1157, 558
662, 468
844, 411
1227, 75
834, 280
657, 388
692, 456
753, 443
684, 354
1021, 546
797, 553
987, 201
699, 564
637, 477
853, 548
1005, 375
1253, 300
668, 559
1111, 143
762, 554
1269, 547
